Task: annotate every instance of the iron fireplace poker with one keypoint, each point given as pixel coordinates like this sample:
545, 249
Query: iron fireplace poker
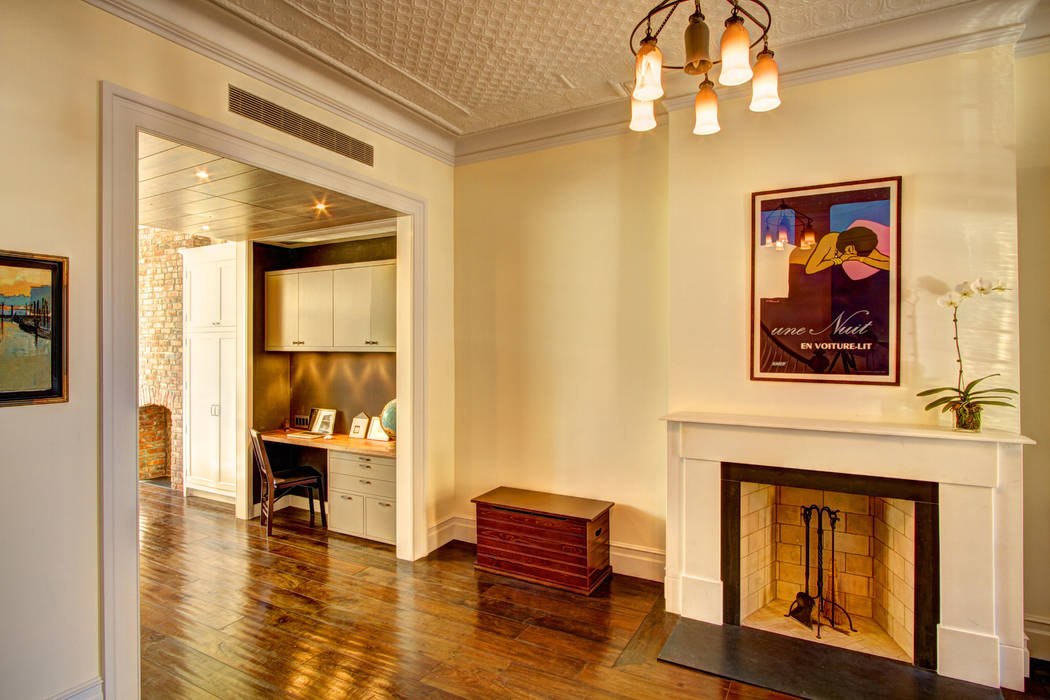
802, 607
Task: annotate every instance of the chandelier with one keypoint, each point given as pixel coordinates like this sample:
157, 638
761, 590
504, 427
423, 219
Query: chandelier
735, 60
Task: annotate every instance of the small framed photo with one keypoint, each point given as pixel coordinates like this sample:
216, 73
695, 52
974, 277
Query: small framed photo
33, 322
375, 430
359, 425
322, 420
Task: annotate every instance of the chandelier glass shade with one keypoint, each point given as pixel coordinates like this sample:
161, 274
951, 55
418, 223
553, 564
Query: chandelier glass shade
734, 61
642, 116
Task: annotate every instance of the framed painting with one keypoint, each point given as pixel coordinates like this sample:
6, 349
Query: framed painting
33, 328
825, 283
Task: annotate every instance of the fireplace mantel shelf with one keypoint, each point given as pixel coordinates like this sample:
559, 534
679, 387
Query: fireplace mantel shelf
840, 426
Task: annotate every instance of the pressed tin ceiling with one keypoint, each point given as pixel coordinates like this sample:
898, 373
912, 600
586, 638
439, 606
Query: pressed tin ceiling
472, 65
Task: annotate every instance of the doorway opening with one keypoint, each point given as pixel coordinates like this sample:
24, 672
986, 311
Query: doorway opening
125, 116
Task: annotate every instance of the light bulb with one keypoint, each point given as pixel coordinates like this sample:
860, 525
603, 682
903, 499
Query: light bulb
706, 105
736, 53
782, 234
779, 245
642, 116
764, 95
769, 239
647, 68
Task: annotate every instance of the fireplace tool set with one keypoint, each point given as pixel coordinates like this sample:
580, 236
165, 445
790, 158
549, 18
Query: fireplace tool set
802, 608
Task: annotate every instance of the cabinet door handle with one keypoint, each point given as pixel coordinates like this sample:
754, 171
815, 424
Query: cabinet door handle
385, 505
216, 323
366, 483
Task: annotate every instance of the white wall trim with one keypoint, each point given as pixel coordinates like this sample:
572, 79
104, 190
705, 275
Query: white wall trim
195, 26
123, 114
627, 559
1037, 627
88, 690
1031, 47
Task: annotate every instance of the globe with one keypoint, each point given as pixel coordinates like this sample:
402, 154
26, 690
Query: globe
388, 418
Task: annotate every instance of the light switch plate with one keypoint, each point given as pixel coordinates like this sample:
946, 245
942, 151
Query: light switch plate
301, 421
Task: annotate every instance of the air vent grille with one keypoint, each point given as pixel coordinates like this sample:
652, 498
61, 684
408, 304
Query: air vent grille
273, 115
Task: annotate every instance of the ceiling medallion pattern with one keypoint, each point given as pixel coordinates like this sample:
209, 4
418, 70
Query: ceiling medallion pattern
472, 65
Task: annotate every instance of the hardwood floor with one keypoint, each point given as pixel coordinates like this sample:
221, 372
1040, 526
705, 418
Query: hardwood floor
307, 614
228, 613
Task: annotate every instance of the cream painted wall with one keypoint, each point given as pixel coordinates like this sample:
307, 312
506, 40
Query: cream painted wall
1033, 212
55, 53
947, 126
561, 326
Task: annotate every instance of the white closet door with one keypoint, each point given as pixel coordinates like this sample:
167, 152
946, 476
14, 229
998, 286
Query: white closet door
384, 306
282, 311
353, 291
315, 309
226, 478
201, 412
201, 291
226, 304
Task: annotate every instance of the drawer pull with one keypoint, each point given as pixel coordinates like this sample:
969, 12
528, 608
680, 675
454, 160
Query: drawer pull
347, 498
529, 513
385, 505
365, 482
598, 532
365, 459
366, 466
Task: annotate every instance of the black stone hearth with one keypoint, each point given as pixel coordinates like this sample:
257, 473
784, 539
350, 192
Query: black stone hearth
805, 669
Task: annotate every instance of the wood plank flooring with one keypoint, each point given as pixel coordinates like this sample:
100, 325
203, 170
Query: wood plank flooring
307, 614
227, 613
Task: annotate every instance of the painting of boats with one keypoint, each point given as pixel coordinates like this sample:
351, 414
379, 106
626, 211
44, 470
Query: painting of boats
32, 328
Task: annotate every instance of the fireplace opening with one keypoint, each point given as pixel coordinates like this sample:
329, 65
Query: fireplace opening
858, 589
871, 567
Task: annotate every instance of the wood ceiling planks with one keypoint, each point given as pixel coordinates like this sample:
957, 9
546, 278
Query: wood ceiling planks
235, 201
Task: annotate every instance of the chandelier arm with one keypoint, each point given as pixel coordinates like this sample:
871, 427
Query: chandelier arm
672, 4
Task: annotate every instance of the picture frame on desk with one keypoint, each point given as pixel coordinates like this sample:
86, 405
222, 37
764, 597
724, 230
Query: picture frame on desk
322, 420
375, 430
359, 425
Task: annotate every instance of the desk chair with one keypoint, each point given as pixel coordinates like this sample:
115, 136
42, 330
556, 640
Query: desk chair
282, 481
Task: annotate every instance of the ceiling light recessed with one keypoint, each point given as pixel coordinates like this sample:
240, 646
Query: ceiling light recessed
205, 227
202, 174
320, 206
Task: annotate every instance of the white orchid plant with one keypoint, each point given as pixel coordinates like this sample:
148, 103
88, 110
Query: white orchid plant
967, 401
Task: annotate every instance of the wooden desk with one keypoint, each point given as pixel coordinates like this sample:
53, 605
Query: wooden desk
361, 478
338, 443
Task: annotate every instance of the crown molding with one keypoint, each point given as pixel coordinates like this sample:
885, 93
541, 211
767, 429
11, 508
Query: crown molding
208, 30
1031, 47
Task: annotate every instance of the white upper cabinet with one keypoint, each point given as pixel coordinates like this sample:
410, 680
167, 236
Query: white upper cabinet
209, 287
337, 308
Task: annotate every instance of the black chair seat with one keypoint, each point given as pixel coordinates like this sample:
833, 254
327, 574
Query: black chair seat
300, 473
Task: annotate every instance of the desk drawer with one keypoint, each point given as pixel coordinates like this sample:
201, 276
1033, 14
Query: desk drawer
370, 468
380, 519
346, 512
365, 485
344, 462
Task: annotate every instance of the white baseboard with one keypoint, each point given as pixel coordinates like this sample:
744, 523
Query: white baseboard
627, 559
88, 690
1037, 627
210, 495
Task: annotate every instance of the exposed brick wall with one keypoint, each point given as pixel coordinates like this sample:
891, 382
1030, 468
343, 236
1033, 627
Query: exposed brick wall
154, 441
160, 329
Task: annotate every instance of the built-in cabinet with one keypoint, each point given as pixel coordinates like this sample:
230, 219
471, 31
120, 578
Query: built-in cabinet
334, 308
361, 496
209, 368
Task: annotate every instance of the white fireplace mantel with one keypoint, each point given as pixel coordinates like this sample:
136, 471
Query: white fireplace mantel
980, 637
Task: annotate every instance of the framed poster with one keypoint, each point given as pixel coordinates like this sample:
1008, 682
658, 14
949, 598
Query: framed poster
825, 283
33, 328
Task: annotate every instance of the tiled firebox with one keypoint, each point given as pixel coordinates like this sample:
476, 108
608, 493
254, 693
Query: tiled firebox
874, 565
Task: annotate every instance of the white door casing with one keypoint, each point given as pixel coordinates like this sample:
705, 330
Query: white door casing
124, 114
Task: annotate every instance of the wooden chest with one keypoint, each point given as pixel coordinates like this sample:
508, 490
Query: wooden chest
558, 541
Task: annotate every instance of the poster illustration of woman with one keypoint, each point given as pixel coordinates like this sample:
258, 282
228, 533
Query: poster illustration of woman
825, 283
